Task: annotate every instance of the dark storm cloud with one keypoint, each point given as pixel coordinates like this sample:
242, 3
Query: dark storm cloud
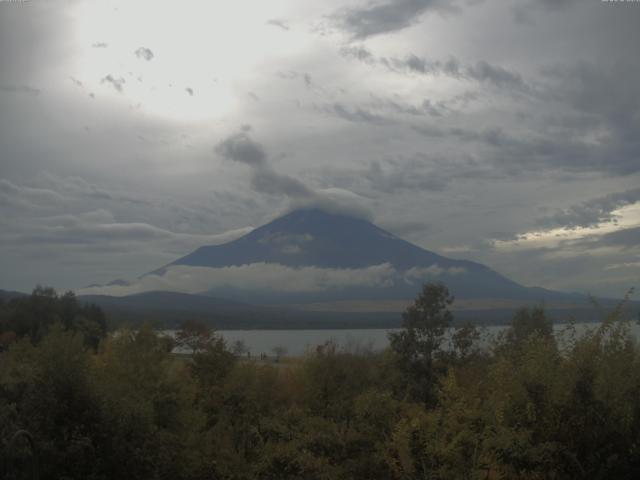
386, 16
557, 143
265, 179
481, 71
241, 148
592, 212
496, 75
605, 97
144, 53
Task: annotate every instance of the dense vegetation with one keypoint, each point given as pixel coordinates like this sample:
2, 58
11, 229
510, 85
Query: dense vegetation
78, 404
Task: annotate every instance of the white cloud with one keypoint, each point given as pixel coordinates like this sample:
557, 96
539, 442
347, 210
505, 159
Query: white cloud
417, 275
255, 276
626, 217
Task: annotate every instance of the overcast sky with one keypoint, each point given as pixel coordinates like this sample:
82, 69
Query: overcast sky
505, 132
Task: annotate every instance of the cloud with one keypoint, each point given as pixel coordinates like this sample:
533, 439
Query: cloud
278, 23
65, 213
625, 265
117, 83
418, 275
354, 114
359, 52
144, 53
79, 187
336, 200
293, 75
19, 196
480, 71
423, 66
591, 213
523, 12
26, 89
496, 75
627, 238
266, 180
255, 276
386, 17
406, 177
239, 147
99, 227
540, 114
426, 107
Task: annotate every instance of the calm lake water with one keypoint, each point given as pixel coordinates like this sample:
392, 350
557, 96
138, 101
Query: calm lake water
298, 342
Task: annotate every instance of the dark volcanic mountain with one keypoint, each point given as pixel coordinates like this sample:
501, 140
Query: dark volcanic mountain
337, 242
315, 269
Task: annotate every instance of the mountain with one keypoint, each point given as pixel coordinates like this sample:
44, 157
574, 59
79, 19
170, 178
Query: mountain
347, 258
317, 269
7, 295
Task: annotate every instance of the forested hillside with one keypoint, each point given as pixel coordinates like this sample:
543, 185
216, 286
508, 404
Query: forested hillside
76, 403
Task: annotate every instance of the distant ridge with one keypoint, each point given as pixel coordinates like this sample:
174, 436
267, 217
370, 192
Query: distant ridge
9, 295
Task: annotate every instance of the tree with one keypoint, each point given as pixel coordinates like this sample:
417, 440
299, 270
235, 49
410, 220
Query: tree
239, 348
529, 321
463, 341
33, 316
418, 343
212, 364
279, 351
194, 335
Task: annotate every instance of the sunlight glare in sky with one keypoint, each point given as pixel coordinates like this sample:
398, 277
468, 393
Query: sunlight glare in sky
203, 53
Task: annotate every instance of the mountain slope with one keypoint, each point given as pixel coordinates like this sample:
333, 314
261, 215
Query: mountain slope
335, 242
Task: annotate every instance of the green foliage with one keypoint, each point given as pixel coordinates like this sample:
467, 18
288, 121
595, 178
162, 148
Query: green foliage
532, 405
194, 336
33, 316
418, 344
464, 342
527, 322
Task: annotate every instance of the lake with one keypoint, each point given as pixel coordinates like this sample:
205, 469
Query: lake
298, 342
